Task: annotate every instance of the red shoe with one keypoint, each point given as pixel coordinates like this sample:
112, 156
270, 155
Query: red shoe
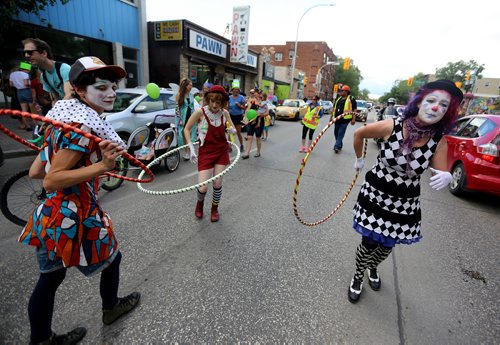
214, 217
198, 211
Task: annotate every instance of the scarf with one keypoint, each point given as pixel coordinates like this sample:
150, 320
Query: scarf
415, 132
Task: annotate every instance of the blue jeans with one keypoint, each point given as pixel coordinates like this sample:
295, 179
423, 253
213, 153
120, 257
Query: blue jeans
339, 132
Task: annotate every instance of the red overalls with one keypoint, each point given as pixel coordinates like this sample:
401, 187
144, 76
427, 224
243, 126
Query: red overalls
215, 149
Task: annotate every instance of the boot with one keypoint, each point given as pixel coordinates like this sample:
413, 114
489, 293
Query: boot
198, 211
215, 213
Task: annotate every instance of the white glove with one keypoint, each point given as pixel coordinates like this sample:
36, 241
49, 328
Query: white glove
359, 164
192, 154
439, 179
231, 130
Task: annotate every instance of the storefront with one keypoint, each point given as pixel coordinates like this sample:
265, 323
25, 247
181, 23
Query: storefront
180, 49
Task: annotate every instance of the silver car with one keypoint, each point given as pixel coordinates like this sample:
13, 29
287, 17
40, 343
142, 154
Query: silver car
133, 108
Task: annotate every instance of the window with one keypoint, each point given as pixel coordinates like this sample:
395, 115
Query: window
291, 54
472, 130
149, 105
278, 57
169, 100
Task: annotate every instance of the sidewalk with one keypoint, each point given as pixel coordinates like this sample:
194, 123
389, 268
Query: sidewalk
12, 148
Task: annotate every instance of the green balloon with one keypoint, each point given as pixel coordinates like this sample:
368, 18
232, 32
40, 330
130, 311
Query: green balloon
153, 90
251, 114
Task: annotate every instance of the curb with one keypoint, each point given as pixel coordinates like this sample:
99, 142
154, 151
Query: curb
19, 153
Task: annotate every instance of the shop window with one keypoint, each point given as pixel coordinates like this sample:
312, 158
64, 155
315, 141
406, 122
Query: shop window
278, 57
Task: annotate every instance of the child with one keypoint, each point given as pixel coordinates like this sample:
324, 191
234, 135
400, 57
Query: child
267, 123
213, 154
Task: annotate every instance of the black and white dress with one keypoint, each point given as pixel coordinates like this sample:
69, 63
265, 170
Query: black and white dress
388, 205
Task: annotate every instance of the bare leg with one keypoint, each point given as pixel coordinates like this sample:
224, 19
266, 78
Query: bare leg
259, 145
203, 176
249, 145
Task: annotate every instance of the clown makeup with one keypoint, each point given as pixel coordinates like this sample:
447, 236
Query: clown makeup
214, 106
433, 107
101, 95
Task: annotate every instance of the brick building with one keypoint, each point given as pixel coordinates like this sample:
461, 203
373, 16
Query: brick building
310, 58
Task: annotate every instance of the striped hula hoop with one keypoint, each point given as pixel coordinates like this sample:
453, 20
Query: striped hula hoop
304, 161
186, 189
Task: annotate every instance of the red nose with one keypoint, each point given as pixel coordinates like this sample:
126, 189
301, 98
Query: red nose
435, 108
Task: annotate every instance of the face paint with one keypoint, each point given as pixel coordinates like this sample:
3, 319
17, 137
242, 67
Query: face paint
101, 95
214, 106
433, 107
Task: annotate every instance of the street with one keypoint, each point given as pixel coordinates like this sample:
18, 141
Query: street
258, 275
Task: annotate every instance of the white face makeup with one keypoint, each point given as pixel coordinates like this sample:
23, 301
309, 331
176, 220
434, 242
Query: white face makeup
214, 106
101, 95
433, 107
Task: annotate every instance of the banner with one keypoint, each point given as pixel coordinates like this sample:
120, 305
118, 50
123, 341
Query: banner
239, 36
168, 31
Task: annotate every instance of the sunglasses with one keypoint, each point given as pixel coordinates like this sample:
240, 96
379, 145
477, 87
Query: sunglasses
29, 52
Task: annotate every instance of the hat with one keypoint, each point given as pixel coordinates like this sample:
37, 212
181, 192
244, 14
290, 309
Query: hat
446, 85
92, 63
345, 88
218, 89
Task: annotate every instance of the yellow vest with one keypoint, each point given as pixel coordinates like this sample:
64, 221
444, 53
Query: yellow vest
347, 107
310, 120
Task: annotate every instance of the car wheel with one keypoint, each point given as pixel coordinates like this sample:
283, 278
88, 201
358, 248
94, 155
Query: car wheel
273, 119
457, 184
297, 117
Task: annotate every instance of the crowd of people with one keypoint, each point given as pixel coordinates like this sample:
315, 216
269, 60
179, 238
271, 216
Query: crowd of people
387, 211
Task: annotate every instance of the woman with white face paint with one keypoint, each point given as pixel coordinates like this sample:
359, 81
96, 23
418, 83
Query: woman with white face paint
387, 211
70, 228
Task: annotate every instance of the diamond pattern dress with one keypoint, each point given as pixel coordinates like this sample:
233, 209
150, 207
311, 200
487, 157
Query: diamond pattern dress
388, 205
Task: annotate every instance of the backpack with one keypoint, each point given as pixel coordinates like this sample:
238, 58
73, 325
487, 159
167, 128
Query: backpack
58, 72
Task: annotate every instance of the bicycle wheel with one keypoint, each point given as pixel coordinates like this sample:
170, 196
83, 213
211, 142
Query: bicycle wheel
168, 139
20, 196
172, 161
111, 183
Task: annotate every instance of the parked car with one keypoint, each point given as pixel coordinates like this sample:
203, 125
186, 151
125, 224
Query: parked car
294, 109
473, 154
133, 108
361, 111
327, 107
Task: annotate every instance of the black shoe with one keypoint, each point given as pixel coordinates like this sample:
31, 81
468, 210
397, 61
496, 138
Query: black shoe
124, 305
69, 338
354, 290
374, 279
244, 157
336, 150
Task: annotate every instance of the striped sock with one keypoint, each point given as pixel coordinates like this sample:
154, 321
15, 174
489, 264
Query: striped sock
217, 193
380, 254
200, 195
363, 260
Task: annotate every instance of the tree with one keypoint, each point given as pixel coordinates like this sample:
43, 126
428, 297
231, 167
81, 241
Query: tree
456, 71
351, 77
12, 8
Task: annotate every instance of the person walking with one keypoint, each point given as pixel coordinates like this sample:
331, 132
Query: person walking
69, 228
310, 122
213, 153
185, 107
20, 80
387, 211
345, 104
236, 108
256, 126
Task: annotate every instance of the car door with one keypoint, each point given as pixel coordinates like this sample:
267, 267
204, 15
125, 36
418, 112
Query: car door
456, 142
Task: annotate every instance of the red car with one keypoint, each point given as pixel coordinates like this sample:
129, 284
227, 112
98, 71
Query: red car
473, 154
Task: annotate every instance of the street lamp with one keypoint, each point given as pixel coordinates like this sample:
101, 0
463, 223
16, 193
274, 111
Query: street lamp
318, 75
296, 41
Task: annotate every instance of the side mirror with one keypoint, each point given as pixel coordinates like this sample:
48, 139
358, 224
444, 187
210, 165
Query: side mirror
140, 109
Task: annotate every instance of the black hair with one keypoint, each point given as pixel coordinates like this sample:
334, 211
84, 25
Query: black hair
89, 78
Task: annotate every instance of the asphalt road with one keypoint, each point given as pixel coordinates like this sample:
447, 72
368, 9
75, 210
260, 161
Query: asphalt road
258, 275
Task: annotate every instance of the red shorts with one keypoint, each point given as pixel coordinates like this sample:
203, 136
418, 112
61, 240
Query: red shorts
208, 159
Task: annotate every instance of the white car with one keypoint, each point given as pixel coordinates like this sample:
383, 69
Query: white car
133, 108
361, 110
327, 107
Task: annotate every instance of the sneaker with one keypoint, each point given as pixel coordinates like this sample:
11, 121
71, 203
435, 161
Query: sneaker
69, 338
374, 279
186, 157
241, 148
244, 157
354, 291
124, 305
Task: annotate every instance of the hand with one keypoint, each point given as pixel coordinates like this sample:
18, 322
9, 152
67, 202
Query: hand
110, 151
439, 179
192, 154
359, 164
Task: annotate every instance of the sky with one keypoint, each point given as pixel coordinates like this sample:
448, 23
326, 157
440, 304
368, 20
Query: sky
387, 40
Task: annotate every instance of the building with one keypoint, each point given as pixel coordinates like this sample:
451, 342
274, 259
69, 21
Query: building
180, 48
311, 57
113, 30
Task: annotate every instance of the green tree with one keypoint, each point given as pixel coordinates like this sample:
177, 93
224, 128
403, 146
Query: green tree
456, 71
351, 77
12, 8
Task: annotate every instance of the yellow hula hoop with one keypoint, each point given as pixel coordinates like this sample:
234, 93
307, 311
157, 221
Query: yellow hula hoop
304, 162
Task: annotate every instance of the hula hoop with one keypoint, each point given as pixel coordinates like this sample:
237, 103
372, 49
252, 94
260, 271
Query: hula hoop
67, 128
304, 161
186, 189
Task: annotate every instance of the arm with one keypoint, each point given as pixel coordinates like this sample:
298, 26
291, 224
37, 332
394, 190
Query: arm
62, 175
228, 119
354, 108
68, 90
37, 170
440, 176
380, 129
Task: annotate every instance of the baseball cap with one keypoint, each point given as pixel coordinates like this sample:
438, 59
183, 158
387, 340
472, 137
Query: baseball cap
92, 63
345, 88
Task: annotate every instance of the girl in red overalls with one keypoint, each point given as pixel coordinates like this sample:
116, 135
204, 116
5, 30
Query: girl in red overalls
213, 155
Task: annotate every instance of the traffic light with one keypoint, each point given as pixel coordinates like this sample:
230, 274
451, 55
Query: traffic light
467, 75
336, 88
347, 62
410, 81
305, 81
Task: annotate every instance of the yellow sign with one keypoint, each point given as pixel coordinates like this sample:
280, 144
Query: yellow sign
168, 31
